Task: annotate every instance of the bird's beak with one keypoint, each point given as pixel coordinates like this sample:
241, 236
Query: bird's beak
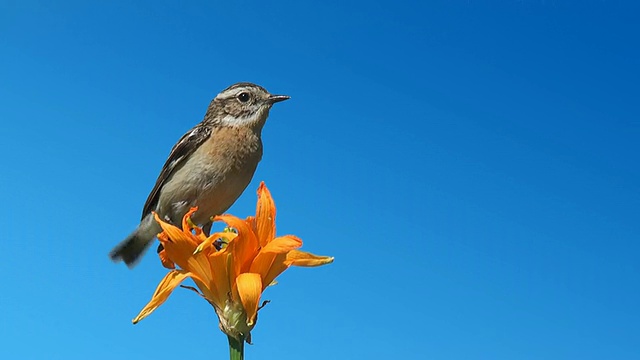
277, 98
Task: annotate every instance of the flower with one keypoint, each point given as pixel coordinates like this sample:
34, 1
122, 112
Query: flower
233, 278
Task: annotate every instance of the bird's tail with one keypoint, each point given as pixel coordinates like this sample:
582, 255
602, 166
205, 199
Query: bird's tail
133, 247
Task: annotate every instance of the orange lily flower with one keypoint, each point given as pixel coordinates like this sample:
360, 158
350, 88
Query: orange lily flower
233, 278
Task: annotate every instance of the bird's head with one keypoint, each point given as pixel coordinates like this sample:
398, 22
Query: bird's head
242, 104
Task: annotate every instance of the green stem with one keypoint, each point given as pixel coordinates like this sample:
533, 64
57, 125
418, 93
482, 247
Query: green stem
236, 348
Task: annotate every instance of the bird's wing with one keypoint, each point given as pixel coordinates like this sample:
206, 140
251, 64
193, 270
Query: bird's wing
178, 156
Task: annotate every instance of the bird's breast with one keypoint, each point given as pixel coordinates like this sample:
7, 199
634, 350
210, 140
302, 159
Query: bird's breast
214, 176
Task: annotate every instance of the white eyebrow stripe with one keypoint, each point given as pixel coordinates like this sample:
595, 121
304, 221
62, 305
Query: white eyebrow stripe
227, 94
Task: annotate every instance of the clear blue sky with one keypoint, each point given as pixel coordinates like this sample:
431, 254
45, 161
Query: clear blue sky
473, 166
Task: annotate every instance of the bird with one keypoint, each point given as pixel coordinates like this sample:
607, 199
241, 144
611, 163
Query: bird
208, 168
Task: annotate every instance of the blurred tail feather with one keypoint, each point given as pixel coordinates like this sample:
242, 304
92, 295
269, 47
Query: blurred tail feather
130, 249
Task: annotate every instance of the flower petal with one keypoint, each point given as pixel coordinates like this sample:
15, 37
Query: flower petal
249, 289
282, 244
180, 249
174, 233
199, 265
278, 266
271, 261
244, 247
220, 282
265, 216
269, 266
302, 258
164, 289
187, 224
164, 259
235, 222
206, 244
206, 290
251, 220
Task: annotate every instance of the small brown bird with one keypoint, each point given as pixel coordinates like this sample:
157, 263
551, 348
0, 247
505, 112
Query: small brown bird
209, 167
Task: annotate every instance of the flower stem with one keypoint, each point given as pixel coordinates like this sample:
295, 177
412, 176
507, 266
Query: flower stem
236, 348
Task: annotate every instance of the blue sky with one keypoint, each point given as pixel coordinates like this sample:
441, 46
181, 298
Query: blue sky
472, 166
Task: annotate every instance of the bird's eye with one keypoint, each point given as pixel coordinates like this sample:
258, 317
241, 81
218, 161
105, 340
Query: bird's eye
244, 97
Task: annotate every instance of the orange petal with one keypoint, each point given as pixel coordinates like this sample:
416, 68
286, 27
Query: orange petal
164, 259
244, 246
206, 290
245, 249
282, 244
249, 289
262, 263
199, 265
186, 221
220, 283
265, 216
180, 246
164, 289
269, 266
278, 266
251, 220
302, 258
271, 261
163, 237
207, 244
179, 252
173, 232
235, 222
